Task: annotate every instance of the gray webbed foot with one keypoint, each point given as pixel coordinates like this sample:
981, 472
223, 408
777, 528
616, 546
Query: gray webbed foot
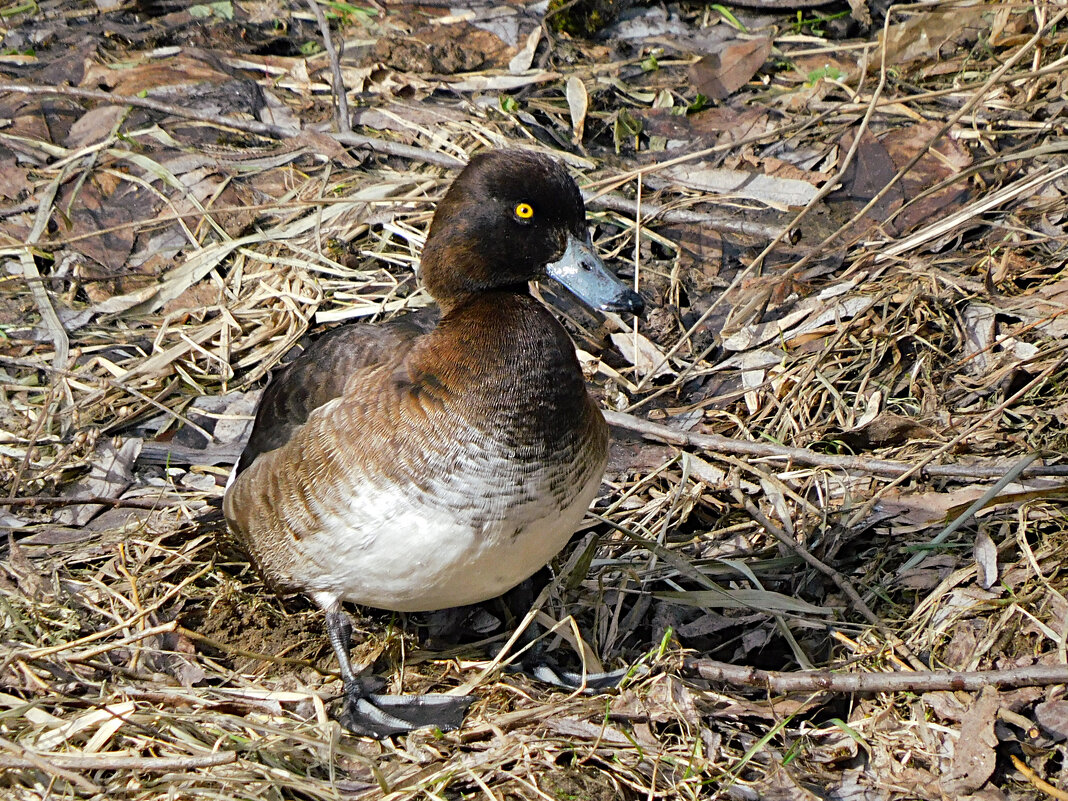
544, 670
379, 715
370, 713
539, 665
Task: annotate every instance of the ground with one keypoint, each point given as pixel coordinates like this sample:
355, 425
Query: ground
839, 435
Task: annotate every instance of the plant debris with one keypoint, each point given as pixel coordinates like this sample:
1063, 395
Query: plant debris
830, 540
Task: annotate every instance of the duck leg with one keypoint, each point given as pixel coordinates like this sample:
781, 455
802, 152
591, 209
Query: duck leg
372, 714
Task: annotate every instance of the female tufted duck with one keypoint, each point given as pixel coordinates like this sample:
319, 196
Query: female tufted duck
419, 470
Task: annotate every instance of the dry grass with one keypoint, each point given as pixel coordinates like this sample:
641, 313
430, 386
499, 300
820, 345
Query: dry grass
155, 277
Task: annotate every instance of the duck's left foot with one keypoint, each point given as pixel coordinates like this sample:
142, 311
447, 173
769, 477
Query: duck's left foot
540, 665
379, 715
550, 673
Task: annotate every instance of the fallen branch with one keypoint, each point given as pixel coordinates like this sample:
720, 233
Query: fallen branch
879, 467
46, 501
106, 761
920, 681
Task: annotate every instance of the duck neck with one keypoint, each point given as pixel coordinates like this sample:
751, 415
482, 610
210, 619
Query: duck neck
506, 356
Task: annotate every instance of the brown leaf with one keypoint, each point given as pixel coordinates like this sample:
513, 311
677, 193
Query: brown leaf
667, 699
163, 76
974, 758
885, 431
102, 215
626, 457
946, 705
94, 126
721, 74
13, 181
30, 581
866, 176
1052, 716
443, 50
926, 36
946, 157
710, 126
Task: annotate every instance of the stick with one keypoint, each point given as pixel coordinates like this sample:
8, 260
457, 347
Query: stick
918, 682
881, 467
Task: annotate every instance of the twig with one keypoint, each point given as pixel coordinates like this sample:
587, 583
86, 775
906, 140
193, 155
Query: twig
343, 125
712, 218
125, 503
106, 761
920, 681
1038, 781
28, 759
880, 467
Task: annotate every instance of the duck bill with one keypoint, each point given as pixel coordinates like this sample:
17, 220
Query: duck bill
582, 273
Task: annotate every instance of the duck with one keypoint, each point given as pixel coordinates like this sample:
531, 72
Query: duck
417, 466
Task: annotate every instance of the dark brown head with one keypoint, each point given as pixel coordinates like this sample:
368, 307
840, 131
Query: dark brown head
511, 217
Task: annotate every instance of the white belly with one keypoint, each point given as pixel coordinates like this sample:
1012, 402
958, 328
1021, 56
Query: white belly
391, 550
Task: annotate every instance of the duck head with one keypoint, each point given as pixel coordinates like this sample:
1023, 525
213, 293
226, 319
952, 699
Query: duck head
511, 217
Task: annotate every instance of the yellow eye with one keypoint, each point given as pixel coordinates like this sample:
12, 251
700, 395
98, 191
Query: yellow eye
524, 211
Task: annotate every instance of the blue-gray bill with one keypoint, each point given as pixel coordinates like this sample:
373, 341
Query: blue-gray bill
582, 272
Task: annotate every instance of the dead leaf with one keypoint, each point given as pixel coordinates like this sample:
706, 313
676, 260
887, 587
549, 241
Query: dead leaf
925, 36
979, 322
946, 705
665, 699
585, 730
710, 126
577, 103
640, 351
522, 61
886, 430
1052, 716
769, 189
975, 757
866, 176
110, 474
90, 213
779, 784
443, 50
95, 125
30, 581
719, 75
986, 559
941, 159
13, 180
